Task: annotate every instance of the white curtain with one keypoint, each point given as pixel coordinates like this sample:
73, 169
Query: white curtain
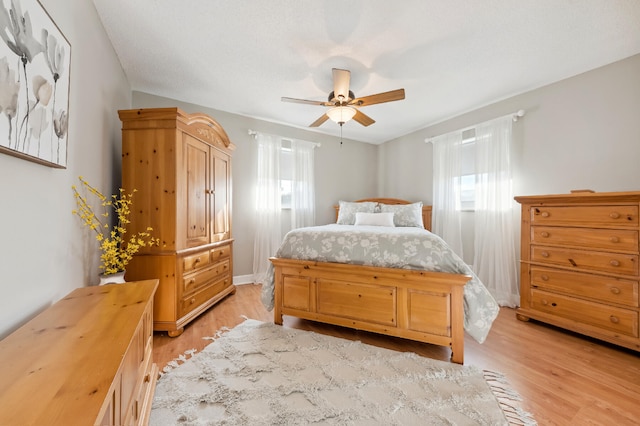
447, 161
303, 204
268, 234
495, 255
494, 259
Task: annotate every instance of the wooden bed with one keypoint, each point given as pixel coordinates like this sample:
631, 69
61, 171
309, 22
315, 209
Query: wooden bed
412, 304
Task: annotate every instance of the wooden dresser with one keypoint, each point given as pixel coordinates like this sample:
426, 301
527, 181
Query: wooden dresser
180, 166
579, 268
85, 360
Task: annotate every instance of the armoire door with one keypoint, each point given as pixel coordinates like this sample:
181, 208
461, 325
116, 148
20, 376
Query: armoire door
197, 159
220, 220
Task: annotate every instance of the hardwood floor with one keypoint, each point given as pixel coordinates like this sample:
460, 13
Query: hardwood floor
563, 378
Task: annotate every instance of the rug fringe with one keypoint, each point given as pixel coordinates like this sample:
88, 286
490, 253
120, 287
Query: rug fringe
181, 359
508, 399
219, 333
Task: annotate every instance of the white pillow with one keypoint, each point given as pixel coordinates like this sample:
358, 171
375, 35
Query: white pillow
405, 214
374, 219
348, 210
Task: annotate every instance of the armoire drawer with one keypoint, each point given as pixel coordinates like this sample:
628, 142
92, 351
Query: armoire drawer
603, 215
220, 253
605, 239
194, 281
195, 261
192, 301
619, 320
616, 263
596, 287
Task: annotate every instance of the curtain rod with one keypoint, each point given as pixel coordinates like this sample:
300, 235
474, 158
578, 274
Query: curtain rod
254, 134
515, 116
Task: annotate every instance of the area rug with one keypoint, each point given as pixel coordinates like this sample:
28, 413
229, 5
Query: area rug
264, 374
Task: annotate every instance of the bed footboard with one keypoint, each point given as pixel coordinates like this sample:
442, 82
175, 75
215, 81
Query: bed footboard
417, 305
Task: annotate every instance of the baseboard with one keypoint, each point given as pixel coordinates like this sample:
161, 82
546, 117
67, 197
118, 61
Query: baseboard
243, 279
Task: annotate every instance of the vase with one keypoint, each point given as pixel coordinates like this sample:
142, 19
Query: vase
117, 278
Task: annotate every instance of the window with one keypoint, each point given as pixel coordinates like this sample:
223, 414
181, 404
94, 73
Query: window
466, 183
286, 175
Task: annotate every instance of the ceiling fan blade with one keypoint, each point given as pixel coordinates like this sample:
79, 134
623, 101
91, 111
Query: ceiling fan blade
363, 119
341, 81
393, 95
306, 101
319, 121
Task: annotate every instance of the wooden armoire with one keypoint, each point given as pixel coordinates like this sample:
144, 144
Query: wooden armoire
179, 164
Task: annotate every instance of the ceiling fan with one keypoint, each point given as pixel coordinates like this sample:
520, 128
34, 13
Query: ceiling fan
344, 103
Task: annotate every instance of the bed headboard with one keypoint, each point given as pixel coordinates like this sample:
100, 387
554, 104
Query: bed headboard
426, 210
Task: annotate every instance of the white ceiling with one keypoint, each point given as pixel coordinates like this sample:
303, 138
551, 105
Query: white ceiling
451, 57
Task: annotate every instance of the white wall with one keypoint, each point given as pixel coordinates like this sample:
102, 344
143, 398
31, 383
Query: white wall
344, 171
44, 251
581, 132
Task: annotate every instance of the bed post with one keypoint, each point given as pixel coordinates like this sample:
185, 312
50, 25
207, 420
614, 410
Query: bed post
457, 324
277, 299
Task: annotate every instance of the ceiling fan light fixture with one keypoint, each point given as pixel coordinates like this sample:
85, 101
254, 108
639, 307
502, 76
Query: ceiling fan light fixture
341, 114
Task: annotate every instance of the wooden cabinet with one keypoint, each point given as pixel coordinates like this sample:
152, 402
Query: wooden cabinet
180, 167
579, 270
85, 360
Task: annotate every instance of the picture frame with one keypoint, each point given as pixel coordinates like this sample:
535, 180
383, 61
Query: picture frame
35, 61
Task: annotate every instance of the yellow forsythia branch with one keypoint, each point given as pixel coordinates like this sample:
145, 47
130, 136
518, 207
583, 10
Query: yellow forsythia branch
116, 249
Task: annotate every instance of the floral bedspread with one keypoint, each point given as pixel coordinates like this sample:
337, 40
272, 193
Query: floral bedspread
401, 247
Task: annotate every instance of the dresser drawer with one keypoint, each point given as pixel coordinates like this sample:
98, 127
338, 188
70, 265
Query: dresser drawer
618, 320
616, 263
194, 281
195, 261
193, 301
596, 287
139, 403
606, 239
622, 215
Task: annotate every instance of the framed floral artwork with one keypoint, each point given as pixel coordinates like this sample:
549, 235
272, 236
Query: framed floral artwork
35, 58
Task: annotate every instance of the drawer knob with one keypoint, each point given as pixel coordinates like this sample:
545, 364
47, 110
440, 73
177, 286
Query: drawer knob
147, 378
193, 300
614, 215
614, 239
544, 254
546, 214
196, 261
544, 277
614, 263
614, 319
544, 234
544, 302
615, 290
192, 281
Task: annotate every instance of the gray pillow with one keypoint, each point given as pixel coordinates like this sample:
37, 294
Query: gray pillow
405, 214
348, 210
